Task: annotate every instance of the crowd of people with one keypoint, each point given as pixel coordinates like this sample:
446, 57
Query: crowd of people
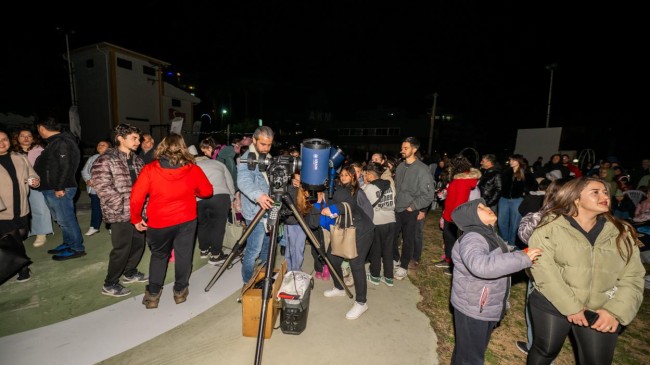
573, 231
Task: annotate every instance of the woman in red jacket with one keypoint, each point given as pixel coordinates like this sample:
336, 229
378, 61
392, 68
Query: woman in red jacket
171, 184
464, 179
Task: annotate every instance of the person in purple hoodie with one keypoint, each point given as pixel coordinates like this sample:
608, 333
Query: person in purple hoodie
481, 281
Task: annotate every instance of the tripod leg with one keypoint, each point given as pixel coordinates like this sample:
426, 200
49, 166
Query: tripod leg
235, 249
267, 291
314, 241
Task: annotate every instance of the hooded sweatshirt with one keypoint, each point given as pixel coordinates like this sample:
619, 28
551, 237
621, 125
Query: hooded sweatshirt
482, 265
172, 192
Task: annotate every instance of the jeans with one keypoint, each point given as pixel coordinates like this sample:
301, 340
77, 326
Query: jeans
63, 211
95, 211
295, 251
509, 219
41, 222
257, 245
161, 241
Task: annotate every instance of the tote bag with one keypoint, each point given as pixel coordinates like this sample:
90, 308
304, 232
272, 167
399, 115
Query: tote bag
234, 230
343, 236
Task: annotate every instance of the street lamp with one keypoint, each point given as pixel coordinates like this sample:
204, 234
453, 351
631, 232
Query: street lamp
433, 119
551, 68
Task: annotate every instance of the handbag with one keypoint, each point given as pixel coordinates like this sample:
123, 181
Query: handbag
12, 255
234, 230
343, 236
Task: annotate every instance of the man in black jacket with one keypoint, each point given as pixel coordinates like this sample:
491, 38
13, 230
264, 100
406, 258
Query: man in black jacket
57, 166
490, 182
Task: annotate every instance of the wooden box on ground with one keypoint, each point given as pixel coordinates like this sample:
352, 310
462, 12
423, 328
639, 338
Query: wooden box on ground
251, 301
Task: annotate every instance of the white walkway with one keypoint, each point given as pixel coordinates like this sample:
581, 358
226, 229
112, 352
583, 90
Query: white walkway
109, 331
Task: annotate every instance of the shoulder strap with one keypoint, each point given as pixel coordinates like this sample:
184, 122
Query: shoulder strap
378, 199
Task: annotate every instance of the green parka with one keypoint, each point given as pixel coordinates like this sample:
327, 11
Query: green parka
572, 274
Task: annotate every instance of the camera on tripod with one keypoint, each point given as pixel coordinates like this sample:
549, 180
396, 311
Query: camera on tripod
317, 165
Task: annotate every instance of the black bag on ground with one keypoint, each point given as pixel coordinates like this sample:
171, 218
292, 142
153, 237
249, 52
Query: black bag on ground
12, 255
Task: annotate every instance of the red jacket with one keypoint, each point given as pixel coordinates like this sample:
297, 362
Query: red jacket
458, 191
172, 194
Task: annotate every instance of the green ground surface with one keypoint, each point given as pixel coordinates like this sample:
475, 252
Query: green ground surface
62, 290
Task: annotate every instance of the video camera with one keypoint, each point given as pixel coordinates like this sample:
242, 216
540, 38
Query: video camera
317, 166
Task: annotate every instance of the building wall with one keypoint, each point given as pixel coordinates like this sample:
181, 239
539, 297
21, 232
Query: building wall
137, 93
92, 86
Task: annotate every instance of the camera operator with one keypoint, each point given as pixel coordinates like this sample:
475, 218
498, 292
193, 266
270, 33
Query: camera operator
254, 187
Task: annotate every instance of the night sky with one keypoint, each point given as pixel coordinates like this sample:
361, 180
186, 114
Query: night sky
486, 61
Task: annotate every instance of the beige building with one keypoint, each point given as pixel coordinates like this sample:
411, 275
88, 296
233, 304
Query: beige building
115, 85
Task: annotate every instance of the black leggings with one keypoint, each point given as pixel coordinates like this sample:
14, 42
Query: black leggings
551, 329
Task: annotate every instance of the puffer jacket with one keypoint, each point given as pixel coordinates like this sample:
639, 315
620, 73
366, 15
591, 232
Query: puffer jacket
112, 183
573, 275
490, 186
482, 265
459, 189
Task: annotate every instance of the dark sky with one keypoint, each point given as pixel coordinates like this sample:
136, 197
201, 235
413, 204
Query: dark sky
486, 61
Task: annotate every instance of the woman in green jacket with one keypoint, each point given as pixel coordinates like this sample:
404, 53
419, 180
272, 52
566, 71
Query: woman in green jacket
590, 263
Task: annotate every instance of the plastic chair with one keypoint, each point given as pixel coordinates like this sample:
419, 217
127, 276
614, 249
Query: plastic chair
635, 195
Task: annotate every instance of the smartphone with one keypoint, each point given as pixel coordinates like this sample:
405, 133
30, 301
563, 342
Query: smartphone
591, 316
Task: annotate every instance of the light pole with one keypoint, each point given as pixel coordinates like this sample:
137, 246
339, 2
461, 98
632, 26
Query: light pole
67, 32
551, 68
433, 119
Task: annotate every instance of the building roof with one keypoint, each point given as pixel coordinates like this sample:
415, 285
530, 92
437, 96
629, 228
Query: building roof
109, 46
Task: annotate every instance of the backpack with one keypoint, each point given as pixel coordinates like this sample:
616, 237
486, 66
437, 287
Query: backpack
364, 204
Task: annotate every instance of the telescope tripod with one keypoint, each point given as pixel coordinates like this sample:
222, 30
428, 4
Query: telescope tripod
273, 223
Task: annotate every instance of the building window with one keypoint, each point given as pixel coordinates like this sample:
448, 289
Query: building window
90, 63
121, 62
148, 70
176, 103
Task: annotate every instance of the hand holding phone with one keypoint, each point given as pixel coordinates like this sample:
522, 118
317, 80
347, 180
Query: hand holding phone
591, 317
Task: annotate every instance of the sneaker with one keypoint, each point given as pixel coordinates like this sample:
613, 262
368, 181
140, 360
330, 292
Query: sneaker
334, 292
318, 275
138, 277
58, 249
217, 259
387, 281
326, 273
373, 279
357, 310
24, 276
115, 290
522, 346
400, 273
40, 240
68, 254
448, 272
109, 231
205, 254
91, 231
395, 263
413, 265
442, 264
